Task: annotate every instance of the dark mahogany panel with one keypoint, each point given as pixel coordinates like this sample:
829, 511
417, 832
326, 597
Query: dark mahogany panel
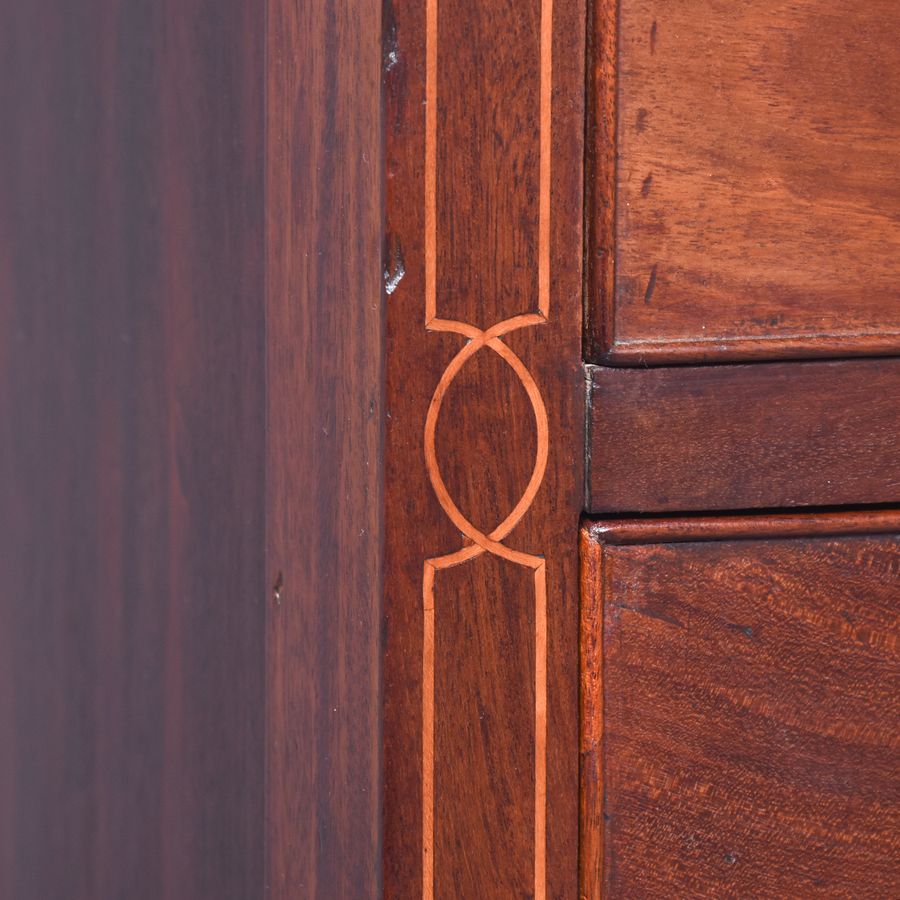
132, 406
744, 436
484, 123
325, 422
743, 189
740, 707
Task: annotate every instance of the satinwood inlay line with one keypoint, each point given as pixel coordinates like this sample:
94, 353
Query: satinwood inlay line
477, 541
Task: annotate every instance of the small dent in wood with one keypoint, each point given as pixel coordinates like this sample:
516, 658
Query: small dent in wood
394, 267
650, 614
277, 588
651, 285
745, 630
390, 51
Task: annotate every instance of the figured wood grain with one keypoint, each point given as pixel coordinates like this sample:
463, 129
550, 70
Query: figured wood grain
740, 712
132, 583
482, 446
325, 415
590, 737
747, 190
745, 436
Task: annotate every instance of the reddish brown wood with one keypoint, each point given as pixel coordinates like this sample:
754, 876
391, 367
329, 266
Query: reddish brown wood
324, 208
591, 831
741, 437
190, 449
132, 401
484, 211
601, 171
740, 713
275, 534
748, 189
720, 527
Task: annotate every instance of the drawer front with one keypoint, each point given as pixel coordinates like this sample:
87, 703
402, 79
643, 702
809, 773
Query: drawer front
740, 720
677, 438
746, 196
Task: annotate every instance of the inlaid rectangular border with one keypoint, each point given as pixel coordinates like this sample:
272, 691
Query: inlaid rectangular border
540, 339
479, 542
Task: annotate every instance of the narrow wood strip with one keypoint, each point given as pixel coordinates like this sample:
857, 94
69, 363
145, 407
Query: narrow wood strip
725, 528
770, 435
431, 51
600, 178
540, 732
325, 369
748, 349
540, 575
590, 847
545, 168
428, 734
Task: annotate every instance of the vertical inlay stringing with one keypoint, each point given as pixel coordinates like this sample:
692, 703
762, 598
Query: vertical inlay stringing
478, 542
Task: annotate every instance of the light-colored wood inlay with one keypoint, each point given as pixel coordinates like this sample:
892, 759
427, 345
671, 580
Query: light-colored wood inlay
478, 541
540, 731
428, 734
431, 50
546, 147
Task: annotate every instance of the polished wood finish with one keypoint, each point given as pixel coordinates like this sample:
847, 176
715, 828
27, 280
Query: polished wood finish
484, 443
678, 530
132, 462
742, 186
740, 708
191, 420
325, 423
741, 437
293, 433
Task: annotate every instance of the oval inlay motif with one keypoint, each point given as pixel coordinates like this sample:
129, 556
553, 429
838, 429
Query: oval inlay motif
492, 542
479, 340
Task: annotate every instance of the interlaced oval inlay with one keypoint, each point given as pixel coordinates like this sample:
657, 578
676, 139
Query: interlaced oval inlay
481, 542
478, 542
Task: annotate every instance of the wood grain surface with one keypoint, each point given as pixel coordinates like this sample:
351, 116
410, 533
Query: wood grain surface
132, 464
677, 530
190, 449
768, 435
740, 713
750, 207
484, 123
325, 423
